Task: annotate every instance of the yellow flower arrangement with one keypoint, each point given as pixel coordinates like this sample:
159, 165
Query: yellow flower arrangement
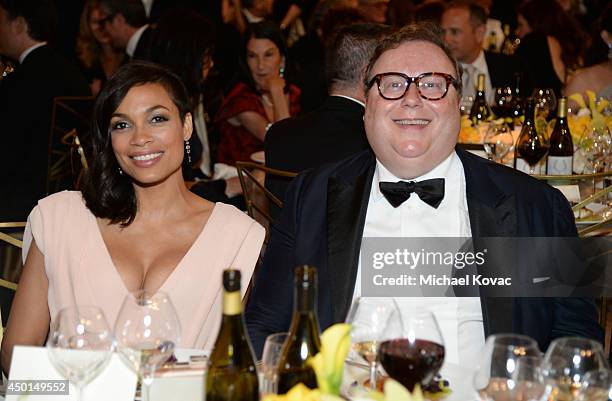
588, 117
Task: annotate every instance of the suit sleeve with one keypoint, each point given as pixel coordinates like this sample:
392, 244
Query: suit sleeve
270, 306
573, 316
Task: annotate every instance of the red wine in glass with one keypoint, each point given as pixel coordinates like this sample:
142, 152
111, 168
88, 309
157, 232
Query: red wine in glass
532, 150
411, 362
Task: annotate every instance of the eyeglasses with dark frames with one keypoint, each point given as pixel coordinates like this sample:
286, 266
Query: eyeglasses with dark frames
430, 85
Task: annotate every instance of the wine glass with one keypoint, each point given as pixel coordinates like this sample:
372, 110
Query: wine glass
80, 344
503, 101
368, 317
466, 104
595, 145
497, 141
413, 351
596, 386
269, 362
147, 330
566, 363
546, 102
532, 146
498, 371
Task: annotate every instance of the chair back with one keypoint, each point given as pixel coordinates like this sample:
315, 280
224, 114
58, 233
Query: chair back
259, 200
70, 115
11, 242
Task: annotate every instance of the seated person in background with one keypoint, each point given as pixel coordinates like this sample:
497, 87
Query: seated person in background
127, 27
98, 57
464, 26
551, 43
412, 122
262, 96
26, 102
598, 77
135, 225
334, 130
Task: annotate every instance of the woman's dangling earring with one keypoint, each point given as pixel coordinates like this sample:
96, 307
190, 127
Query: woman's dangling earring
120, 171
281, 71
188, 151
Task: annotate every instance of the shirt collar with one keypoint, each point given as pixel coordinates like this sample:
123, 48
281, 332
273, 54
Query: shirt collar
29, 50
350, 98
133, 42
480, 63
251, 19
445, 170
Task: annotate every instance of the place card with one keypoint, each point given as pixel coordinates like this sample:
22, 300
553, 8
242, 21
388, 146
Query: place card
571, 192
116, 382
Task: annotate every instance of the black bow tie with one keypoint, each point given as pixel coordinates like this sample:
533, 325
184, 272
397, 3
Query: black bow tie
430, 191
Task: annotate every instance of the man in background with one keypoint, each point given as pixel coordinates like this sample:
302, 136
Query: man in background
26, 101
127, 27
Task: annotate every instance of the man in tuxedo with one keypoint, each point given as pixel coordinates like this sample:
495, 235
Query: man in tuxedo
465, 24
334, 130
412, 122
127, 27
26, 101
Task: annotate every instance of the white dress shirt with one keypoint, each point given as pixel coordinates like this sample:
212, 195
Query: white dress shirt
29, 50
130, 48
478, 66
460, 319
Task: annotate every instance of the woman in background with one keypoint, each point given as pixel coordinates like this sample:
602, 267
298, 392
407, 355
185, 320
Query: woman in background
99, 59
135, 225
551, 43
261, 98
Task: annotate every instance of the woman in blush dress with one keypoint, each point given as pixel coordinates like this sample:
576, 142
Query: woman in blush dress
260, 98
135, 225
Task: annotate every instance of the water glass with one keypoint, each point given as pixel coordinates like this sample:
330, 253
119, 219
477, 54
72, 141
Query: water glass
80, 344
269, 362
596, 386
498, 141
147, 330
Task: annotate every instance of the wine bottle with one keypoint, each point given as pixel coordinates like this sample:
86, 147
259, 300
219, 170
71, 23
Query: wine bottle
232, 375
561, 152
530, 147
480, 109
303, 340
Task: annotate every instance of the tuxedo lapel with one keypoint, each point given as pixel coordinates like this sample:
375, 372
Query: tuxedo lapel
347, 203
492, 214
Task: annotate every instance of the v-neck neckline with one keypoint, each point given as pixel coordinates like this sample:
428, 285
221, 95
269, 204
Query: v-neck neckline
115, 272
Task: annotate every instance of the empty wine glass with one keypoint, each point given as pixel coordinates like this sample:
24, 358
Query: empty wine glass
503, 101
497, 373
147, 331
466, 104
269, 362
566, 363
596, 386
413, 350
596, 146
546, 102
368, 317
80, 344
498, 141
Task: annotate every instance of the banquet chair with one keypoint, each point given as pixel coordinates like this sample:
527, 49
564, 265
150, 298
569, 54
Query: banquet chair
11, 243
69, 116
259, 200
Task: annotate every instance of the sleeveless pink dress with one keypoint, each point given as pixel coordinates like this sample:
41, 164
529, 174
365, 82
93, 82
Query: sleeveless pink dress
81, 272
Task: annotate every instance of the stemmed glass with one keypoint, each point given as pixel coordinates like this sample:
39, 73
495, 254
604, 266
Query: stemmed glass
596, 146
546, 101
269, 362
414, 350
509, 364
503, 101
147, 330
596, 386
80, 344
368, 317
532, 146
498, 141
566, 363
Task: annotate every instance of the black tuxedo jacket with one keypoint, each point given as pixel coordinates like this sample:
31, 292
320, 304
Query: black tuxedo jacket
331, 133
26, 101
143, 47
322, 224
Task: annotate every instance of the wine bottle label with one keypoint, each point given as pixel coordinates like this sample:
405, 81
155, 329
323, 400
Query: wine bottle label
522, 165
559, 165
232, 303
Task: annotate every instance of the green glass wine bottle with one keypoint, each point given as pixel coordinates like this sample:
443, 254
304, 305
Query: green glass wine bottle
232, 375
303, 341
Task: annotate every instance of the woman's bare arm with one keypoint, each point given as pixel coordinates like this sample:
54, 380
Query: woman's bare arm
29, 319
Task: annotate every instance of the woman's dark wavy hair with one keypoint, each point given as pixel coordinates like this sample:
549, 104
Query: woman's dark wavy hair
109, 194
262, 30
182, 38
549, 18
